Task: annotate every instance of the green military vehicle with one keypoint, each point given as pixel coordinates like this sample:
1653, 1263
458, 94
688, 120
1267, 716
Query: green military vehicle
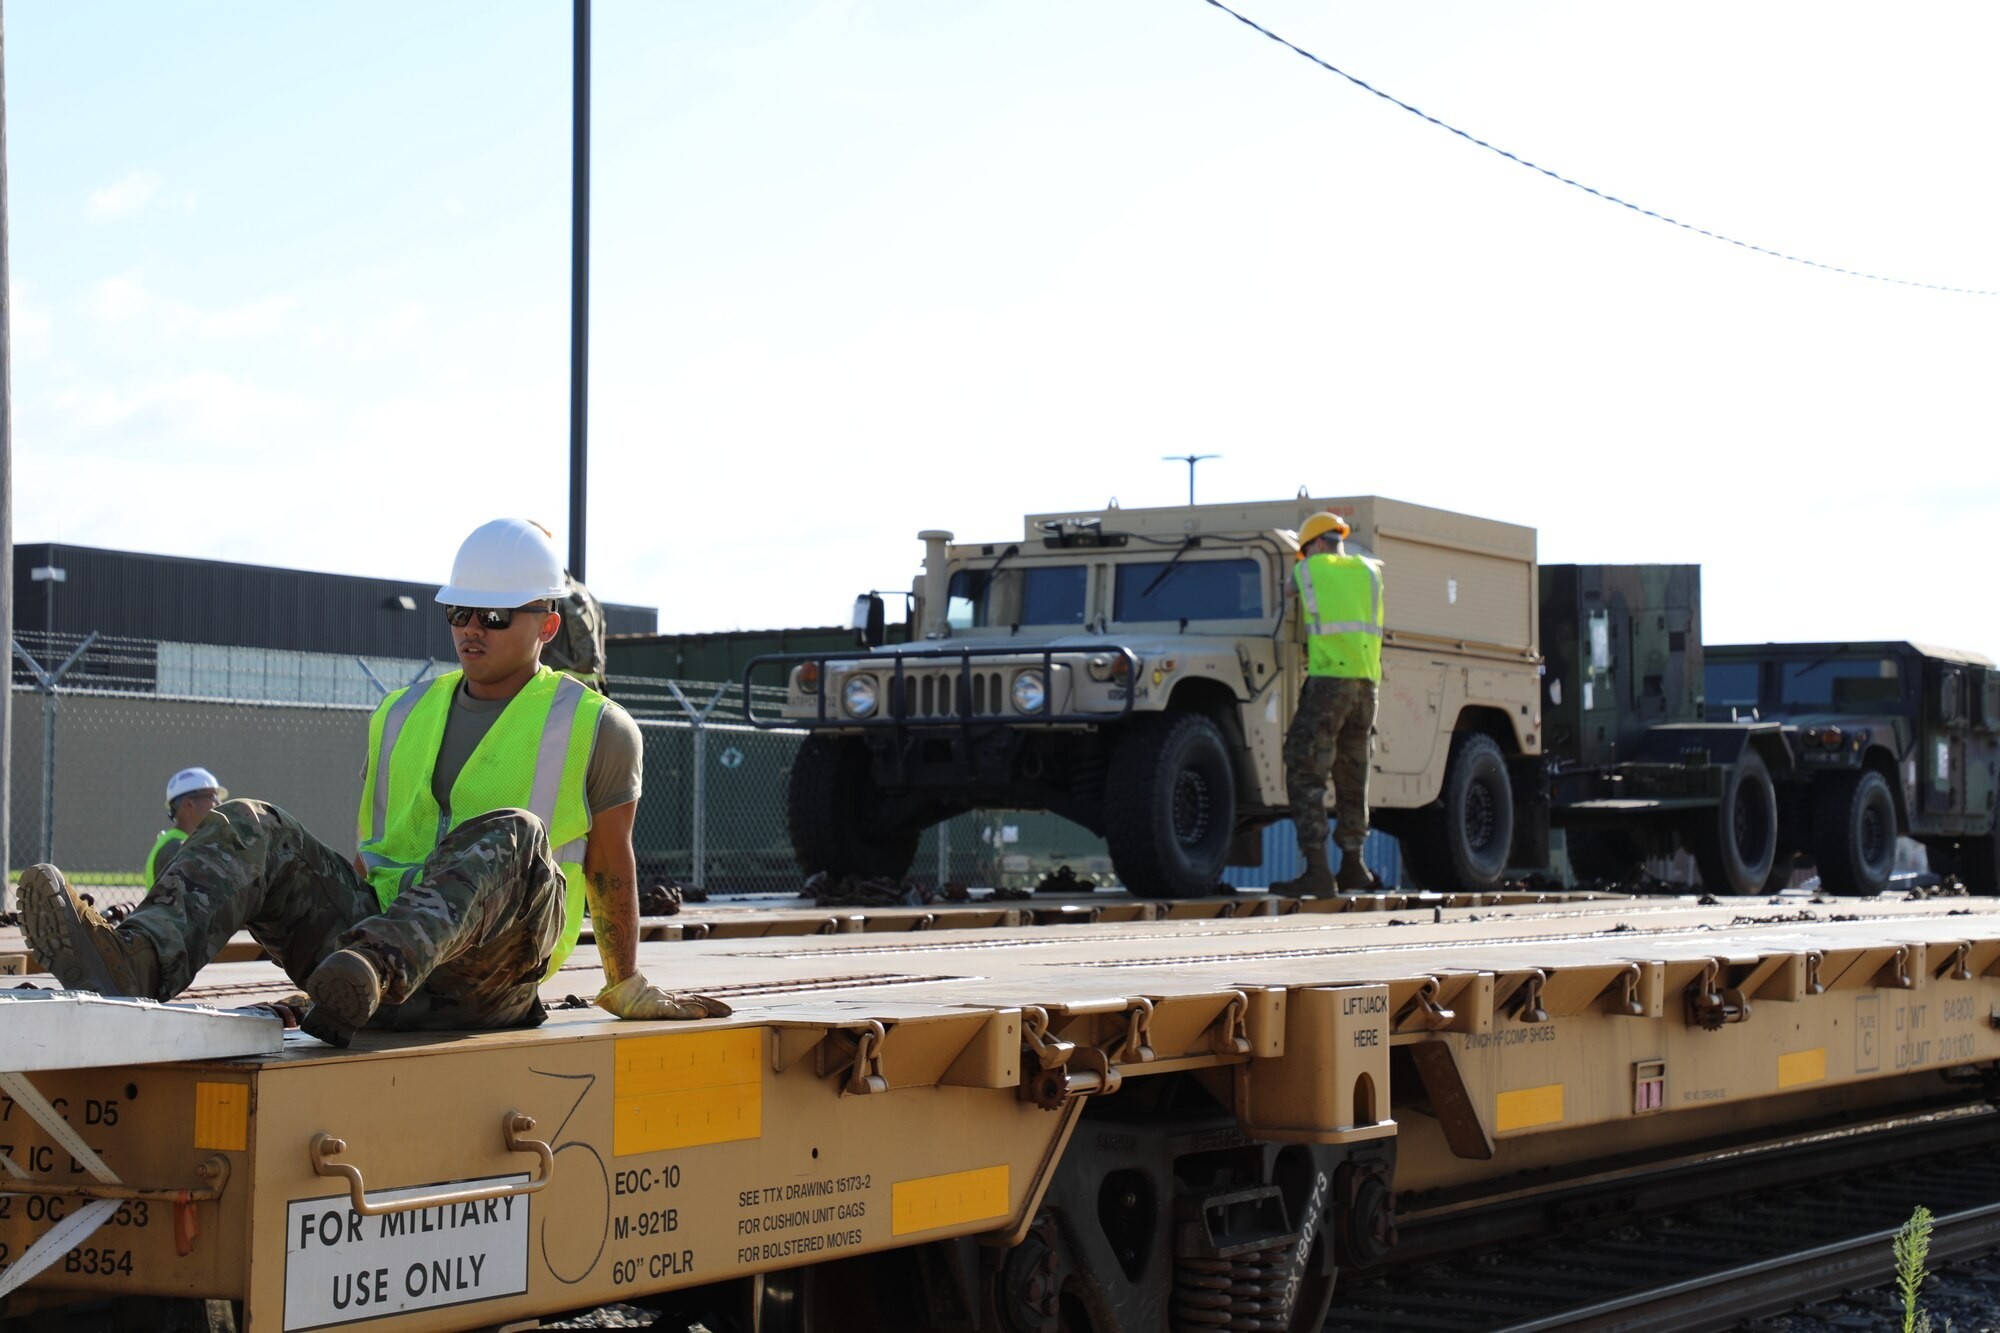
1134, 670
1634, 768
1891, 738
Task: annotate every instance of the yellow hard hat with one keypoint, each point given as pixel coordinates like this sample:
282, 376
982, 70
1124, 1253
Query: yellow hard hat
1319, 525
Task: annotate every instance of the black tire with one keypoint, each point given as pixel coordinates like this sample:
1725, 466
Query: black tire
1854, 834
830, 813
1461, 840
1735, 843
1170, 806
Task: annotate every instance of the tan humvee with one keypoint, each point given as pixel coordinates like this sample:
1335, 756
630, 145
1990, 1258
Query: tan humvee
1135, 670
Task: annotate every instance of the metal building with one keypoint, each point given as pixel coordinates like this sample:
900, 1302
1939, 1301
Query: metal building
76, 590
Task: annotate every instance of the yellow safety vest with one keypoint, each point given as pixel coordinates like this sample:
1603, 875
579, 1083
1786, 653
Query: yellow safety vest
167, 838
534, 758
1342, 597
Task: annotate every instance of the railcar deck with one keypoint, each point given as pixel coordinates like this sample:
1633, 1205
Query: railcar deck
878, 1088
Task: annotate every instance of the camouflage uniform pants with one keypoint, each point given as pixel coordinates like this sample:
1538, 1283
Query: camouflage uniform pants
1330, 734
465, 945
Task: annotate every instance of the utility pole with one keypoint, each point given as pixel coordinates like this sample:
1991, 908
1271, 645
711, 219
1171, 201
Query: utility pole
1190, 460
579, 282
6, 503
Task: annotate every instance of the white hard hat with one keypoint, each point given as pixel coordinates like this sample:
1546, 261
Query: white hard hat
193, 779
508, 562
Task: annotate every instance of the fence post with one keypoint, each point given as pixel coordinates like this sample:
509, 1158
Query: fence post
698, 729
944, 852
47, 681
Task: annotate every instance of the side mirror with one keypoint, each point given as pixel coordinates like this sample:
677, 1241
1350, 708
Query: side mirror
870, 623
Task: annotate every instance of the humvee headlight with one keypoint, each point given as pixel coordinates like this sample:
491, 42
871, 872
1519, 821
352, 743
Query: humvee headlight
1100, 666
1029, 693
859, 696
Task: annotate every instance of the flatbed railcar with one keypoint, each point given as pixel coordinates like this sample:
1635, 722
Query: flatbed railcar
1151, 1124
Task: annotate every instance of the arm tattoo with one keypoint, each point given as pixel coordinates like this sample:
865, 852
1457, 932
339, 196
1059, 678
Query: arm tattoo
610, 931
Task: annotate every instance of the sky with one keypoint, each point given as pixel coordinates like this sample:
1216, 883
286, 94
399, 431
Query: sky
290, 285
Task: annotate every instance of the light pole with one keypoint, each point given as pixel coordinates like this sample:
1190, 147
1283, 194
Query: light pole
1190, 460
579, 281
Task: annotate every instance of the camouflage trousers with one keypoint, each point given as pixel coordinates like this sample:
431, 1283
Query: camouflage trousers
464, 945
1330, 735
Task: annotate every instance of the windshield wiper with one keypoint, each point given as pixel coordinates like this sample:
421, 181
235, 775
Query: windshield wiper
1821, 661
1162, 576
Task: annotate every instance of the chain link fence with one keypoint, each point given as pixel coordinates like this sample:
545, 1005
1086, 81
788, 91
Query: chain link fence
724, 828
100, 723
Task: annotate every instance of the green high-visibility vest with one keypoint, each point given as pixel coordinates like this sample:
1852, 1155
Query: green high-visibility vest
167, 838
534, 758
1342, 597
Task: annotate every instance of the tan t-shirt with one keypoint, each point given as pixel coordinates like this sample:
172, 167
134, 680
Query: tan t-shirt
616, 756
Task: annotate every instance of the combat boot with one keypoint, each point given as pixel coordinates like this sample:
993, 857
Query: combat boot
346, 990
79, 947
1355, 876
1316, 881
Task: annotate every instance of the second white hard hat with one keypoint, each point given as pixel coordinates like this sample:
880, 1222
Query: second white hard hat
193, 779
508, 562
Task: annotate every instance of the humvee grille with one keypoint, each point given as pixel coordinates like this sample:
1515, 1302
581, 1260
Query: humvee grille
929, 694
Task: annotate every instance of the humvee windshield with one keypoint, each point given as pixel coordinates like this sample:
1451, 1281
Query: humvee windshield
1016, 595
1840, 684
1190, 590
1828, 683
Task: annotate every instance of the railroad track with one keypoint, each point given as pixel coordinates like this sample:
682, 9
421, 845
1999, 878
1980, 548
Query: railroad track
1802, 1224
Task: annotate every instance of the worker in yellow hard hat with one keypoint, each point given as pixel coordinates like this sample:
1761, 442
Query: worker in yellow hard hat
1340, 599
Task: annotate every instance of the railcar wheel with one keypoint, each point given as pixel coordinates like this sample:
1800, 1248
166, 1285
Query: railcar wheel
1854, 834
1735, 842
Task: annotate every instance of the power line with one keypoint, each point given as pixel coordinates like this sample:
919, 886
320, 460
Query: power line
1518, 160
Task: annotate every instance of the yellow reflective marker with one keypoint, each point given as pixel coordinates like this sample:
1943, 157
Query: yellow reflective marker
930, 1202
222, 1116
684, 1090
1526, 1108
1802, 1067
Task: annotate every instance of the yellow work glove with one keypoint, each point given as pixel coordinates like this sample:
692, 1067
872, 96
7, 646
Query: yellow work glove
636, 997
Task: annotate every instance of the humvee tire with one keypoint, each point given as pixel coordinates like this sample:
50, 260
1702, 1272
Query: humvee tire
1854, 833
1461, 840
1170, 805
1735, 842
829, 813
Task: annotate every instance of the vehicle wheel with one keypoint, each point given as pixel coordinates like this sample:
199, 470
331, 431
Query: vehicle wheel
1461, 840
1170, 806
1735, 843
1854, 834
1608, 856
830, 813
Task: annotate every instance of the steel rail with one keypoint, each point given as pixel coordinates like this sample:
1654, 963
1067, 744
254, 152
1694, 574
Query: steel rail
1723, 1300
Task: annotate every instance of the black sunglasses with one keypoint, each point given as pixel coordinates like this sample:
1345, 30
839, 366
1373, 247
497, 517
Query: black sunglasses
490, 617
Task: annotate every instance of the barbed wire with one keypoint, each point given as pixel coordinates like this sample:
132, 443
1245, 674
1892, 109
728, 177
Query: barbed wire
1608, 198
